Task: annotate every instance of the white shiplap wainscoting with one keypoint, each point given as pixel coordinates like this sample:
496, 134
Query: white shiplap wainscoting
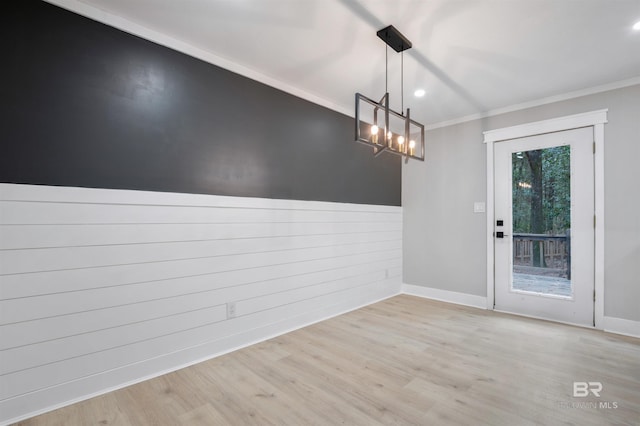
102, 288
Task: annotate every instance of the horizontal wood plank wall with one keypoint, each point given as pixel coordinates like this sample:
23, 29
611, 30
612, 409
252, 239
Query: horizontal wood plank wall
100, 288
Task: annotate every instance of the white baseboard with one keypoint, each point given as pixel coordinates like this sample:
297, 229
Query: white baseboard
611, 324
156, 368
622, 326
445, 296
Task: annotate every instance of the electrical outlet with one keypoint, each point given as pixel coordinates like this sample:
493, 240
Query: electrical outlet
231, 310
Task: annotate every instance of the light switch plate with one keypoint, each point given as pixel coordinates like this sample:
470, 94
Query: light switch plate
479, 207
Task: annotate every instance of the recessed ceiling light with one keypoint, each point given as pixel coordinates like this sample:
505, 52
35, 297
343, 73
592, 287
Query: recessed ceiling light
419, 93
637, 26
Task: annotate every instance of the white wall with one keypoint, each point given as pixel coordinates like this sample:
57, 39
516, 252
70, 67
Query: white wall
99, 288
444, 241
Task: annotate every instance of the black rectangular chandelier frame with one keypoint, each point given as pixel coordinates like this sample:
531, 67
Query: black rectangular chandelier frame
400, 140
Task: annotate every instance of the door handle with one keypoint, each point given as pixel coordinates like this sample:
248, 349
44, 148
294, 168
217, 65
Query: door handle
500, 234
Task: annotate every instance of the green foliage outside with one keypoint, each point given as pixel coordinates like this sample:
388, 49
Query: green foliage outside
542, 191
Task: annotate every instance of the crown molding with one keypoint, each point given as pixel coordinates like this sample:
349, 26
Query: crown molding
154, 36
539, 102
131, 27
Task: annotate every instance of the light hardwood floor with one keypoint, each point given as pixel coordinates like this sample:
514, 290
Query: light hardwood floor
406, 361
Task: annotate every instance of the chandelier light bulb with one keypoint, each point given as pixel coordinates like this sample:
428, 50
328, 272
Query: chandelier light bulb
400, 140
412, 144
374, 134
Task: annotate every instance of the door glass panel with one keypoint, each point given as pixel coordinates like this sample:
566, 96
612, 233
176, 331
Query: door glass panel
541, 194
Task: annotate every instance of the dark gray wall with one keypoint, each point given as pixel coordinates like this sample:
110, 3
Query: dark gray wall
84, 104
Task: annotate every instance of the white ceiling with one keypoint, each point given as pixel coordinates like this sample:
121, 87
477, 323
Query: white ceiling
471, 56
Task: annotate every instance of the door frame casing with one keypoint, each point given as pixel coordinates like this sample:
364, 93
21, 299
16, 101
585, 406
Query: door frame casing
594, 119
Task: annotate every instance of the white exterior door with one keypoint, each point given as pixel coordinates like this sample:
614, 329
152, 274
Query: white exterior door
544, 226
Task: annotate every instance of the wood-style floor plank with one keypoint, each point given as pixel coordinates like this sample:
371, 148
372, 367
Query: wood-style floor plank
402, 361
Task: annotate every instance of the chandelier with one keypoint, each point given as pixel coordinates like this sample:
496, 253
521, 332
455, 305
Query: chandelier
382, 128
